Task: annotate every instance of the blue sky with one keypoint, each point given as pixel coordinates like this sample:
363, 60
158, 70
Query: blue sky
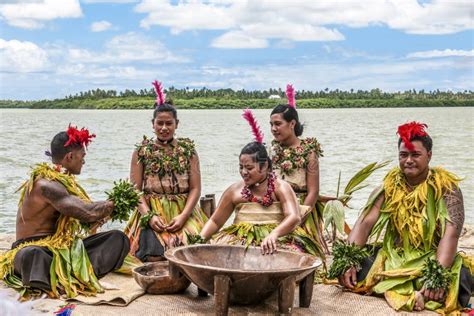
52, 48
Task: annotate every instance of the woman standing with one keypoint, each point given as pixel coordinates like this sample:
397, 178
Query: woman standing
296, 160
166, 169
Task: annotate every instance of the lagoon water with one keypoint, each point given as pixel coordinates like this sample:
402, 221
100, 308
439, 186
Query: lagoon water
350, 138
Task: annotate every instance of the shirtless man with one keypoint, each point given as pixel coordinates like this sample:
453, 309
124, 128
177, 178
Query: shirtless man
43, 205
401, 203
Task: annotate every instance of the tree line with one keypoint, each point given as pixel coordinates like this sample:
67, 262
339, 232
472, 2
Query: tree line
234, 99
187, 93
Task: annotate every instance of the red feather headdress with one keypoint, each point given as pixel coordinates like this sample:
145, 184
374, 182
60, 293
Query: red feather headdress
160, 93
78, 137
290, 94
409, 130
257, 132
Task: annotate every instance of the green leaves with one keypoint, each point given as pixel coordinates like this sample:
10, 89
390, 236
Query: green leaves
435, 276
195, 239
125, 199
354, 183
334, 213
145, 219
345, 257
334, 210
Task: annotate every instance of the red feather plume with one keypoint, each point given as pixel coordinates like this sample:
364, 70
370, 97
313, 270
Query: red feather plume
290, 94
409, 130
160, 94
257, 132
79, 137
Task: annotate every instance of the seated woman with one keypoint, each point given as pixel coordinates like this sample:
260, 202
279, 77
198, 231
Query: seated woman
166, 169
296, 161
267, 213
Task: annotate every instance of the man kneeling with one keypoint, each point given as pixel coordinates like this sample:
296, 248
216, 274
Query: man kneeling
52, 253
420, 210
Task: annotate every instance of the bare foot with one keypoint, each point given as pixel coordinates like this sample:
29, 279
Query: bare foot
419, 301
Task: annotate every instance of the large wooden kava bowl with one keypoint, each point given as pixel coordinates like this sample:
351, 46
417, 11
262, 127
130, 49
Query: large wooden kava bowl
243, 275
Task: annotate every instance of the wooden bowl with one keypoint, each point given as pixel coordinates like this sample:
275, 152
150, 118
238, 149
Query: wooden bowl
154, 278
253, 276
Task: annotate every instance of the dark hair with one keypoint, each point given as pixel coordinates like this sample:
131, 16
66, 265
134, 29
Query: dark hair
259, 153
289, 113
167, 107
425, 140
58, 151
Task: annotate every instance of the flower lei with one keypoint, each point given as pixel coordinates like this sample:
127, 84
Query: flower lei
288, 159
267, 199
159, 160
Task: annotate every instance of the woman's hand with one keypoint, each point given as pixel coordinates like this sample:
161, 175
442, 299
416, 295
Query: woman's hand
156, 224
269, 244
177, 223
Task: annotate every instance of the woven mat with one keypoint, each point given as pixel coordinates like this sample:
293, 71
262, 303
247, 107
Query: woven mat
327, 300
120, 290
332, 300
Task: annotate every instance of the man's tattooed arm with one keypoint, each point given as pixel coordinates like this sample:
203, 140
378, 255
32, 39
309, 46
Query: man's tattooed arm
70, 205
455, 205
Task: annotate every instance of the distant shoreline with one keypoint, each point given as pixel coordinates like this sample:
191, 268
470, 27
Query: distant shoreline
127, 103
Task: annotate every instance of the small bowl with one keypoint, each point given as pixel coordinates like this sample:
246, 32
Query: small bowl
154, 278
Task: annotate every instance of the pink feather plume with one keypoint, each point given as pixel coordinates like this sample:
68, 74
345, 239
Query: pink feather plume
257, 132
290, 94
160, 94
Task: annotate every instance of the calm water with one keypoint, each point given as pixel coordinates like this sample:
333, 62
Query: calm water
350, 138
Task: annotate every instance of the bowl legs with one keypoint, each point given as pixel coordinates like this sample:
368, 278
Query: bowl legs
286, 295
306, 290
221, 294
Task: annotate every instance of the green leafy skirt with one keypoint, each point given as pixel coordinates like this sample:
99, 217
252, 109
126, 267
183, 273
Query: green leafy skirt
167, 207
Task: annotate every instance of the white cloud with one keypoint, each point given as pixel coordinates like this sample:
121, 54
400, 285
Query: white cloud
86, 72
109, 1
292, 31
56, 69
70, 76
33, 14
126, 48
437, 17
22, 57
238, 39
302, 20
442, 53
100, 26
185, 16
392, 75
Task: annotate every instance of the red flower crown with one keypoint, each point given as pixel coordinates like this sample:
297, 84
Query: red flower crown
410, 130
78, 137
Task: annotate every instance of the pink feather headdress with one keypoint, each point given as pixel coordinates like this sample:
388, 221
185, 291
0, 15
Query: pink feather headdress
160, 94
290, 94
257, 132
409, 130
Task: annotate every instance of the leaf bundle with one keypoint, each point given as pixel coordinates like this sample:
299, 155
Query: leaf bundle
435, 276
125, 198
195, 239
345, 257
